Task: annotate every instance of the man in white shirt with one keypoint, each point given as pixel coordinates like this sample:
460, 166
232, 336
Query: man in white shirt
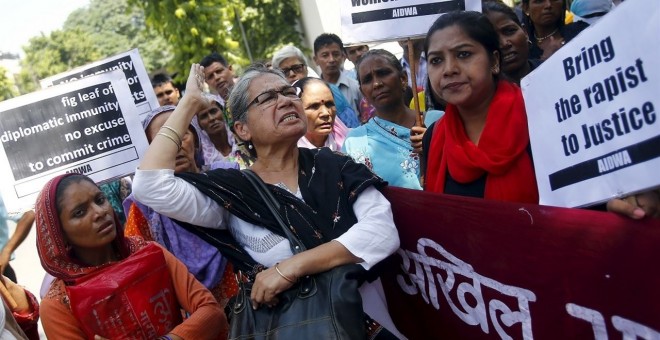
329, 54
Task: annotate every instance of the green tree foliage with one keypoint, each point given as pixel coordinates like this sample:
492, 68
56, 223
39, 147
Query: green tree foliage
269, 24
100, 30
117, 27
197, 28
55, 53
6, 86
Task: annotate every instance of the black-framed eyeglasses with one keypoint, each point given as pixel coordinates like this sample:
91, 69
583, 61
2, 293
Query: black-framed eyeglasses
268, 98
297, 68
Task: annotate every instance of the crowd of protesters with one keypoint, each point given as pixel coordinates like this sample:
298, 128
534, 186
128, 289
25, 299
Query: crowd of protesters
325, 145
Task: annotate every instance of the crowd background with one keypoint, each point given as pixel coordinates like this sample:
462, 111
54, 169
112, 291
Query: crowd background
224, 68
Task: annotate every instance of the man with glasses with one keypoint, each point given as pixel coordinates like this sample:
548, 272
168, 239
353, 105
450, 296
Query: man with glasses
166, 92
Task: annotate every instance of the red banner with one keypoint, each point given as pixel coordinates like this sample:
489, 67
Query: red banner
479, 269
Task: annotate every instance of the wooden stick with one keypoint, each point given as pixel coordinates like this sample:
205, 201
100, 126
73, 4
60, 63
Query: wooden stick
412, 61
413, 80
7, 296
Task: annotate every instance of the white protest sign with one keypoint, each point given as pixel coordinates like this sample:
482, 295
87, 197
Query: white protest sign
593, 110
90, 126
131, 64
365, 21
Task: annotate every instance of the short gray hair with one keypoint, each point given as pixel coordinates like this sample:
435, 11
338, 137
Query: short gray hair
239, 99
285, 52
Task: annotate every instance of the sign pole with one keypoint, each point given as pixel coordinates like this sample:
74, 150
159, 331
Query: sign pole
413, 80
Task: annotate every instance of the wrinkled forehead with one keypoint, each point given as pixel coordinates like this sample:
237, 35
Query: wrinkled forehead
374, 62
316, 91
266, 82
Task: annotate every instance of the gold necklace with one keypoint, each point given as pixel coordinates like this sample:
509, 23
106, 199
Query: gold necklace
540, 40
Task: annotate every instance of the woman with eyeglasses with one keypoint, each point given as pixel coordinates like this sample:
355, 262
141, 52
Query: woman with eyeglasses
292, 62
331, 202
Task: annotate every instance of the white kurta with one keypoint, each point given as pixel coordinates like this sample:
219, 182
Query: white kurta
372, 238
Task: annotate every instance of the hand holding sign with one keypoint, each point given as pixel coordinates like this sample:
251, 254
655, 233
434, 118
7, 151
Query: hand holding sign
646, 204
594, 127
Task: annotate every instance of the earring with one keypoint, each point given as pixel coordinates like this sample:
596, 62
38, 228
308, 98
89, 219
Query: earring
250, 146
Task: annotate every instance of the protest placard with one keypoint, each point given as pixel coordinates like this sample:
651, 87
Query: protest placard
133, 67
365, 21
90, 126
592, 111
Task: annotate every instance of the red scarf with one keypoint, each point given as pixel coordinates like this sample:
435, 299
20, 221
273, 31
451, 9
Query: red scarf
54, 252
501, 153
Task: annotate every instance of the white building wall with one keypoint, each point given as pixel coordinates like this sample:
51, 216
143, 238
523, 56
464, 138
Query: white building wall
323, 16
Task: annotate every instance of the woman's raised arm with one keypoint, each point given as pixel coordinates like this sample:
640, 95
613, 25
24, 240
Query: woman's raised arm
161, 153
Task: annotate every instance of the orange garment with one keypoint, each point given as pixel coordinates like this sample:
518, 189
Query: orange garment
137, 224
227, 288
206, 321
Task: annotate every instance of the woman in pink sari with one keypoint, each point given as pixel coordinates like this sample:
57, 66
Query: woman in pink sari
324, 128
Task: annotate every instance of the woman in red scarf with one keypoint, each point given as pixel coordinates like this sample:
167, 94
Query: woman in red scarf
81, 243
480, 147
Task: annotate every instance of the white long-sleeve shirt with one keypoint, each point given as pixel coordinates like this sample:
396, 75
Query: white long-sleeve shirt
372, 238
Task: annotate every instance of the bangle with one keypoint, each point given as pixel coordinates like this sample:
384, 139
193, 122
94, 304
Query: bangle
178, 145
175, 132
282, 275
164, 337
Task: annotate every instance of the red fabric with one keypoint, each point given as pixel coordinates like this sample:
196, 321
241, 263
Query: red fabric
136, 224
54, 252
460, 257
29, 321
501, 153
131, 299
